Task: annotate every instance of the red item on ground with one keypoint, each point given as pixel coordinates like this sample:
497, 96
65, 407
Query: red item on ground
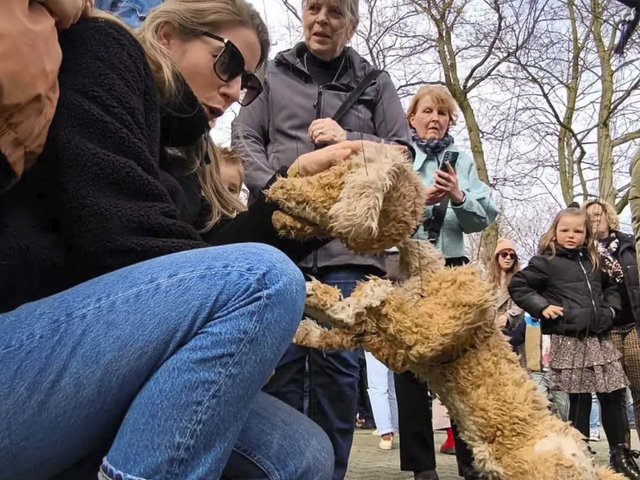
449, 446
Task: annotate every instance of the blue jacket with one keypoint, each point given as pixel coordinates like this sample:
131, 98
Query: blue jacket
476, 213
132, 12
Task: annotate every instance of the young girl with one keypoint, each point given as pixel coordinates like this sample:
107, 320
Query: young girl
565, 287
231, 171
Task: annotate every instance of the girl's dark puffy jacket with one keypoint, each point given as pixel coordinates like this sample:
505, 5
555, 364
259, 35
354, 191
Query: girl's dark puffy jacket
567, 280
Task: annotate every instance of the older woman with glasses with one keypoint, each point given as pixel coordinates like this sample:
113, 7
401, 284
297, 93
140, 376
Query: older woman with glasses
305, 89
123, 332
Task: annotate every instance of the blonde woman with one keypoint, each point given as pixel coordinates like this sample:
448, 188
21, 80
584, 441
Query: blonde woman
458, 203
122, 331
618, 254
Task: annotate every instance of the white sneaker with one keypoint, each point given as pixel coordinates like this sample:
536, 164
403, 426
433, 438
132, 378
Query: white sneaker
386, 443
375, 433
594, 436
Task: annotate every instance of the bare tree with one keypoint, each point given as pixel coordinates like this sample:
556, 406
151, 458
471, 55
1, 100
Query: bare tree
580, 101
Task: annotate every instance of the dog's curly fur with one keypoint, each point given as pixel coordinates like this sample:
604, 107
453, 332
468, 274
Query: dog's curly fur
371, 201
438, 323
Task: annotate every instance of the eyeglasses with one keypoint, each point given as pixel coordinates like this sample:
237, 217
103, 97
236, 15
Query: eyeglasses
508, 255
229, 64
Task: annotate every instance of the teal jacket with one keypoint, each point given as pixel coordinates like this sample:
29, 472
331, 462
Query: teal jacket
476, 213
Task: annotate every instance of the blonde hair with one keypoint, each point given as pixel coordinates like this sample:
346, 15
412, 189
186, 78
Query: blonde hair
548, 242
216, 194
228, 156
442, 98
189, 17
494, 271
609, 211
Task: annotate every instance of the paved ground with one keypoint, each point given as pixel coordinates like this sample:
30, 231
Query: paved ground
368, 462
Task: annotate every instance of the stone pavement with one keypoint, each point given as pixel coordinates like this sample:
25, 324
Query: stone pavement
368, 462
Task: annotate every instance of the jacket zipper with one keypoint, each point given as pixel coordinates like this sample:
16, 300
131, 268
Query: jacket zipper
593, 302
318, 105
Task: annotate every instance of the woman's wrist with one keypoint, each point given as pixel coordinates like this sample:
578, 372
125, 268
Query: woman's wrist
458, 198
296, 169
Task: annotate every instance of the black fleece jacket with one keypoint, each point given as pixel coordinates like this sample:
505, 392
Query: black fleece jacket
104, 194
567, 280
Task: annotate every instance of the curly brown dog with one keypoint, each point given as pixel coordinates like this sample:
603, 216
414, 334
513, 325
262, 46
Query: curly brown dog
438, 323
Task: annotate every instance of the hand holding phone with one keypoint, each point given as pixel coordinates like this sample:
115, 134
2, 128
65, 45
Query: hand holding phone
449, 158
446, 178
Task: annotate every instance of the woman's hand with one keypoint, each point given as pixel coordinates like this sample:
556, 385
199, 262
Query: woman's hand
326, 131
448, 182
68, 12
435, 195
324, 158
552, 312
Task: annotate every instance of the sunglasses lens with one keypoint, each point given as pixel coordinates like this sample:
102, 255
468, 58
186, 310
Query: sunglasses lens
229, 64
251, 87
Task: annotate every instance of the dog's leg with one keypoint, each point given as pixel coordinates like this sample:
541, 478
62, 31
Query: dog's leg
312, 335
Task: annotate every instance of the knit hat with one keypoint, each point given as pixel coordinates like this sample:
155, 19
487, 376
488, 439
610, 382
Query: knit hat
504, 244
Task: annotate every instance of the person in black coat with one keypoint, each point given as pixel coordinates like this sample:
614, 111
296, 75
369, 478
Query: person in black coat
121, 330
577, 303
618, 254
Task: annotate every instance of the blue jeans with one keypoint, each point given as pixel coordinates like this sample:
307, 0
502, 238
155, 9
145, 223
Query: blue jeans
163, 362
558, 400
594, 417
333, 380
132, 12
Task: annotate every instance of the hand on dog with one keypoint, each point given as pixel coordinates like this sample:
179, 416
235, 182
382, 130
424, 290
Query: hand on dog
552, 312
320, 160
325, 131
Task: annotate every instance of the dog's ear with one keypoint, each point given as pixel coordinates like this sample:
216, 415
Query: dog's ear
309, 198
356, 214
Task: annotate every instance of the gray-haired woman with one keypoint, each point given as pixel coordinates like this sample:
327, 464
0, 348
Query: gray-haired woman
304, 88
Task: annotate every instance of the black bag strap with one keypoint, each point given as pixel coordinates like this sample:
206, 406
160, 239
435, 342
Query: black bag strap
433, 224
355, 94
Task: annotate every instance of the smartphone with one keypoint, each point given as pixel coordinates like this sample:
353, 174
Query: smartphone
449, 158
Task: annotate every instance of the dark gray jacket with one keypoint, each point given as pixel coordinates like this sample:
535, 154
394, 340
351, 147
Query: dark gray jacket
272, 132
626, 255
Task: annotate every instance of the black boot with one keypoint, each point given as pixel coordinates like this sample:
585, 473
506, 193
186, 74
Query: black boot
426, 475
622, 461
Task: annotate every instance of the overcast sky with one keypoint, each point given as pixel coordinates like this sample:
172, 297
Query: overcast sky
282, 28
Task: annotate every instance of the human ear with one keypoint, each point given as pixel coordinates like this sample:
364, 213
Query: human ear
167, 34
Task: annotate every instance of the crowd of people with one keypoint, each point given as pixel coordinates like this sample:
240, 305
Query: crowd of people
147, 305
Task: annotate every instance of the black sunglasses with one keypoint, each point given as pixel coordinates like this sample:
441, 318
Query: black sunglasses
508, 255
229, 64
